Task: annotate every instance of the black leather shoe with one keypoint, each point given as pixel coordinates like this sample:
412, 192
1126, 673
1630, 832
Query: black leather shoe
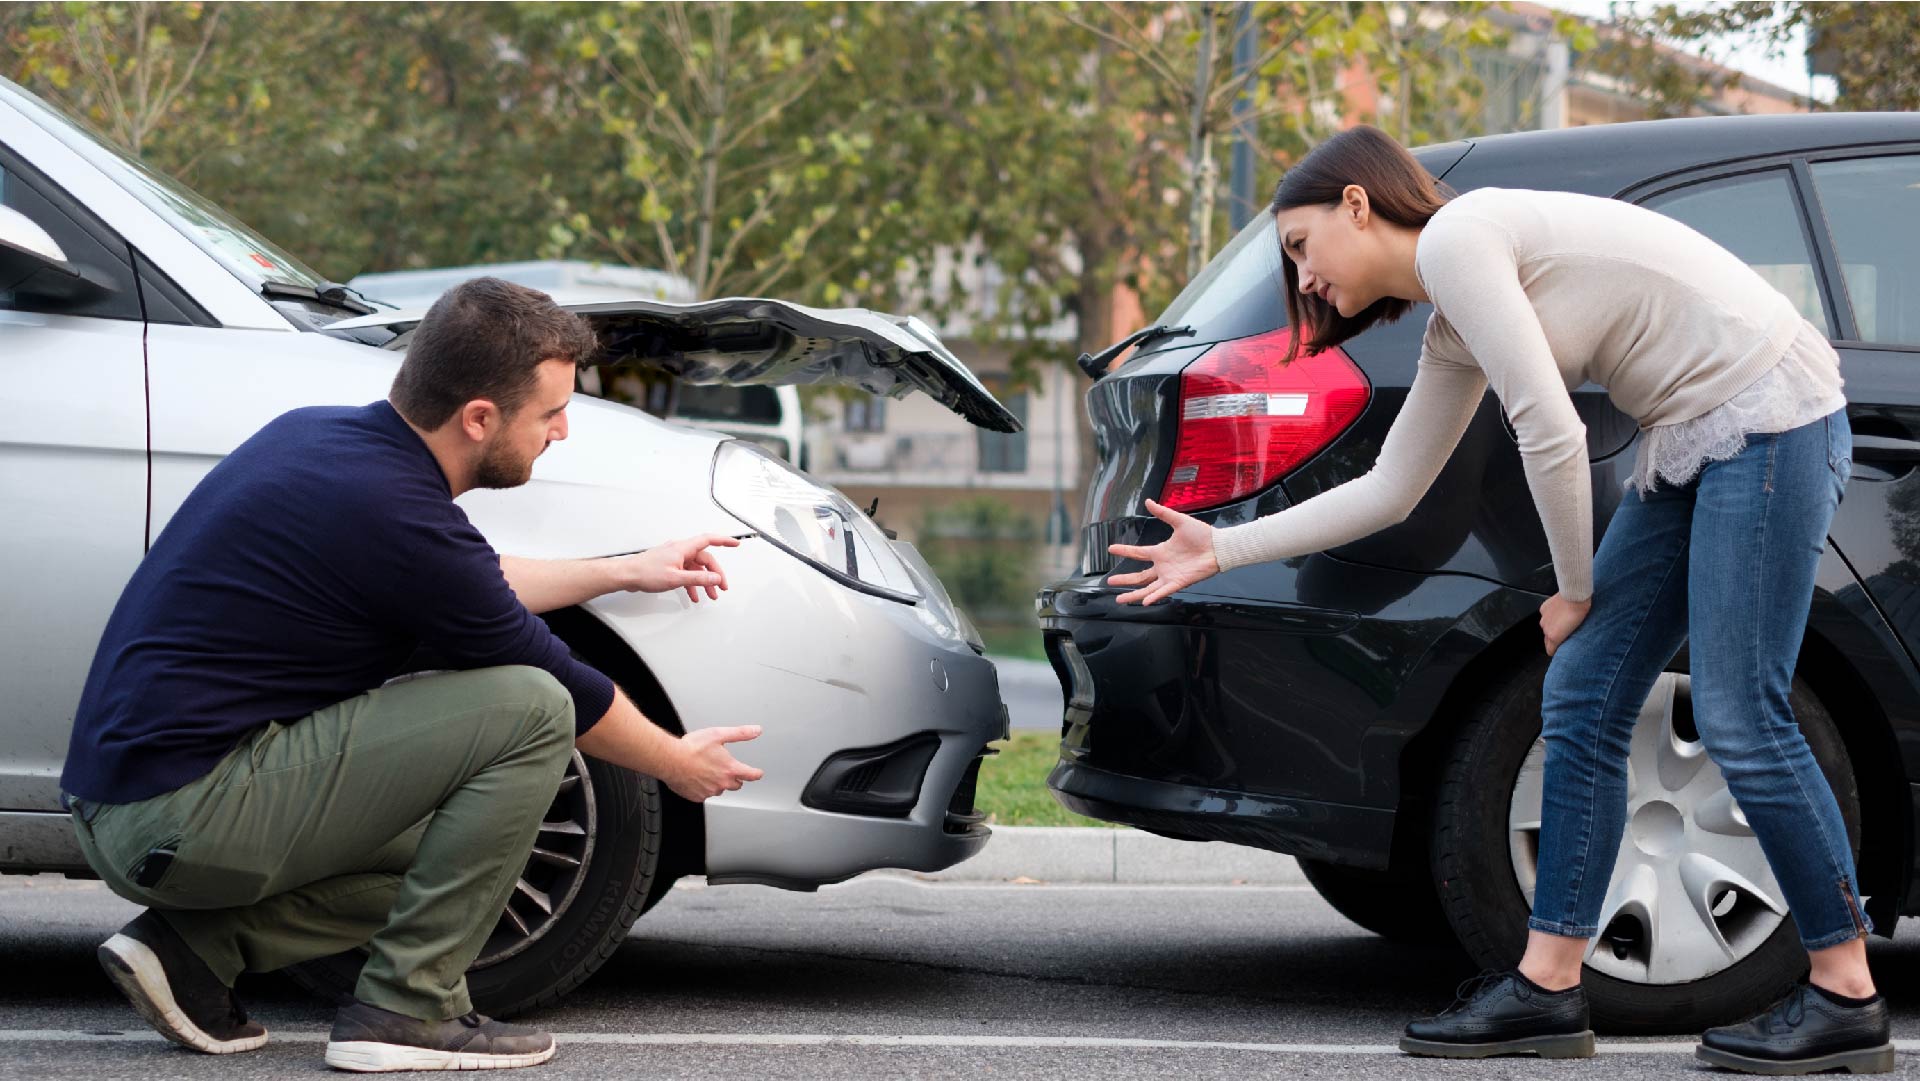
175, 991
368, 1039
1806, 1032
1498, 1013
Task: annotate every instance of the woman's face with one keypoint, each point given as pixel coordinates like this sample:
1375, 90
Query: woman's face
1330, 251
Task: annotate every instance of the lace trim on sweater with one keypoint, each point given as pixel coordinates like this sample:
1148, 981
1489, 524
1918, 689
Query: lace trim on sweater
1803, 387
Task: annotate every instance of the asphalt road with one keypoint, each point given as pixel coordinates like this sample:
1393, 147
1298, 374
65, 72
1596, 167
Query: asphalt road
889, 977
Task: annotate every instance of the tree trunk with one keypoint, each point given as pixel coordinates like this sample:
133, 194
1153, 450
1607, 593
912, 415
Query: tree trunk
1200, 151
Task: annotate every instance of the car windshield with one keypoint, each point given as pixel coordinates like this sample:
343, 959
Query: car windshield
253, 257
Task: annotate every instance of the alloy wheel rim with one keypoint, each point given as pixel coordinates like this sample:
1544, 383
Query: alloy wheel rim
1692, 893
555, 868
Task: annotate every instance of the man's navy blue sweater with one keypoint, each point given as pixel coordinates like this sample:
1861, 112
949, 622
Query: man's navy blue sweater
304, 570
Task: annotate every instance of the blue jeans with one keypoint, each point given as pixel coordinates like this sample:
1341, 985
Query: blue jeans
1725, 563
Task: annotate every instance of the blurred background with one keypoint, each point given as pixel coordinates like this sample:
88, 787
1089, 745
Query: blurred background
1035, 180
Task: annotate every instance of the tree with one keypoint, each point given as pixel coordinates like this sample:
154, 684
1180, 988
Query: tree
741, 142
1871, 45
361, 137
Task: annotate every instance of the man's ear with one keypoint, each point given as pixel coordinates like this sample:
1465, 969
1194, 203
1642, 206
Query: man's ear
477, 418
1354, 204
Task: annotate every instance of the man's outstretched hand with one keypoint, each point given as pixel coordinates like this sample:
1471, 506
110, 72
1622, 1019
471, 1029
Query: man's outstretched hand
682, 564
705, 768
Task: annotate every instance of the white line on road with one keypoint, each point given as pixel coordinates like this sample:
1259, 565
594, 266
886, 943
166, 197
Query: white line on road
780, 1039
950, 884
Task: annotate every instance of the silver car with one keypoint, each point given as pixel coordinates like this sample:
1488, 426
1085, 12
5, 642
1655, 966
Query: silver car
144, 333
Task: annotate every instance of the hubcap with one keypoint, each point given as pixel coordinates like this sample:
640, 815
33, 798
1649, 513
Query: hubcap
1691, 892
554, 869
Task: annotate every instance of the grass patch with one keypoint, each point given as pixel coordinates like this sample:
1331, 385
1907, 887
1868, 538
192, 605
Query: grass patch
1013, 784
1020, 640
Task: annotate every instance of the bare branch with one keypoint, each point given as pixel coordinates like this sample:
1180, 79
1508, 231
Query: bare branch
1151, 59
168, 97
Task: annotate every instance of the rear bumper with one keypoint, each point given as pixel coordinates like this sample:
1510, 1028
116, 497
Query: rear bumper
1332, 832
1251, 711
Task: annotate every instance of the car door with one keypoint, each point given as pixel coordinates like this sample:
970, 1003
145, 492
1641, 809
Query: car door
73, 481
1870, 209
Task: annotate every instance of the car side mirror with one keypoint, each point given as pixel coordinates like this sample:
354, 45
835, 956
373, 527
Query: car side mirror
33, 264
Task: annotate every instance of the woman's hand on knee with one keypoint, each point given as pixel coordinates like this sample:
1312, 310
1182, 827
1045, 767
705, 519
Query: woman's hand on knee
1560, 617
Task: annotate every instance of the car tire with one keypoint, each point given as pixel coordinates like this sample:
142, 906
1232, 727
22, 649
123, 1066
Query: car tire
534, 961
1396, 904
1478, 876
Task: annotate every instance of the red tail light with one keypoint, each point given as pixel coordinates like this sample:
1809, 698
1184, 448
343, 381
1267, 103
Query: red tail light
1247, 420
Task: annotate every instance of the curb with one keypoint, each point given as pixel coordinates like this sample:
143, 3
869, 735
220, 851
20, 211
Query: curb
1091, 854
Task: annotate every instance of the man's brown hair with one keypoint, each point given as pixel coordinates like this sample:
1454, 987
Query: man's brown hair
485, 338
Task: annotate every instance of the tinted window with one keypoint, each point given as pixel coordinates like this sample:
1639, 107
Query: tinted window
664, 396
1755, 218
750, 404
1248, 267
81, 245
1239, 292
1872, 205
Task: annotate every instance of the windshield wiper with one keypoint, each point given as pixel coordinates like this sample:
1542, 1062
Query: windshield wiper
1095, 364
331, 288
332, 293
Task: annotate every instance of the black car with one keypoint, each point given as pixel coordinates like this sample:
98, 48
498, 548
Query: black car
1374, 709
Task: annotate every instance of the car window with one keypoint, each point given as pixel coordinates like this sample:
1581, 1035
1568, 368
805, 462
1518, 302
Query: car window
1250, 263
1755, 217
252, 257
748, 404
31, 196
1004, 452
1872, 207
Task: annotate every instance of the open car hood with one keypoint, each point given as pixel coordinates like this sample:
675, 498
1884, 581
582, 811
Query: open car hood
755, 340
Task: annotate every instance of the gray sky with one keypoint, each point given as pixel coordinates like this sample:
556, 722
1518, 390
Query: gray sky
1788, 70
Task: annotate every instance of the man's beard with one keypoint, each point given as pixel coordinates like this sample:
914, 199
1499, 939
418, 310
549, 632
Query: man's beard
499, 468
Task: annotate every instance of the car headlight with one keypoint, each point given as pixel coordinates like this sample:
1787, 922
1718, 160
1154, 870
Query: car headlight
937, 610
807, 519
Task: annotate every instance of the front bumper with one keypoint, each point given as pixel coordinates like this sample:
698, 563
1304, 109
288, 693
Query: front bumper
825, 671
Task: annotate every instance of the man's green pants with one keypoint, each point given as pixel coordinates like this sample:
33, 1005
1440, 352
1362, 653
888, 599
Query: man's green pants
398, 820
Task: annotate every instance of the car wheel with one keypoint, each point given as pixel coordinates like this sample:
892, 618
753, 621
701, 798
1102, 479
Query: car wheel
1394, 904
593, 870
1688, 939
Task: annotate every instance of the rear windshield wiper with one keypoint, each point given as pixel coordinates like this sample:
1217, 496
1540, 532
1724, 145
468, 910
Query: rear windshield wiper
1095, 364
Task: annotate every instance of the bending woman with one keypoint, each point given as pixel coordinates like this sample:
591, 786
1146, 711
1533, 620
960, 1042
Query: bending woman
1743, 455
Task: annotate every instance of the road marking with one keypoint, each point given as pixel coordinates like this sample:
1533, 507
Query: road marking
1029, 887
802, 1039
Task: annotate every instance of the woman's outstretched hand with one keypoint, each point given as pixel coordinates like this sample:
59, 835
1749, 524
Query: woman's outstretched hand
1177, 562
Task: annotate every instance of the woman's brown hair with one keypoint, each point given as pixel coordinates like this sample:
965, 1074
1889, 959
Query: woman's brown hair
1399, 189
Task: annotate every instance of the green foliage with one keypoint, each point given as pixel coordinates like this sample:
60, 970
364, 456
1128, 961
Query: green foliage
1013, 784
984, 552
1872, 42
359, 136
821, 151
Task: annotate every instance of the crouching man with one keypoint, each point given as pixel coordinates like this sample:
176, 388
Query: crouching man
230, 768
